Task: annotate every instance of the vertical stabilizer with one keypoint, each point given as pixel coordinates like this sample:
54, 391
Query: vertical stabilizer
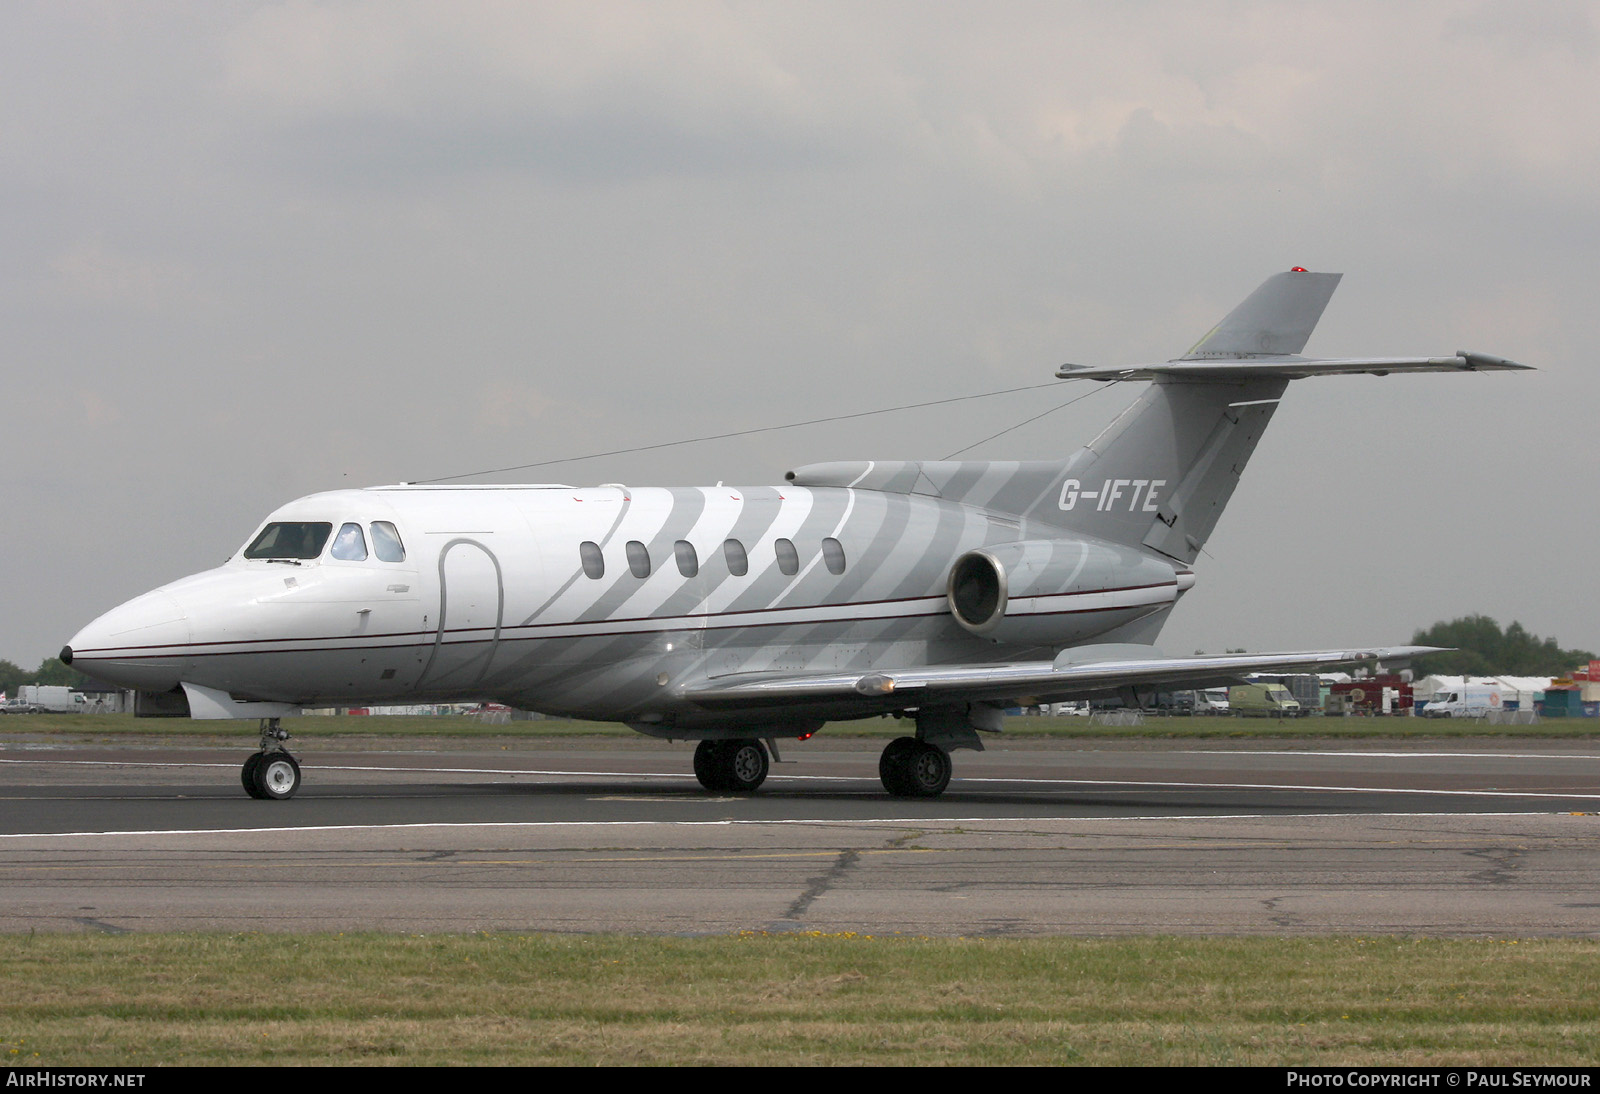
1159, 476
1276, 319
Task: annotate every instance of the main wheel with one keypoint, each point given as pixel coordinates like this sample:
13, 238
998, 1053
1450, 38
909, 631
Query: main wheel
892, 765
247, 774
738, 766
910, 768
708, 765
745, 765
928, 771
277, 776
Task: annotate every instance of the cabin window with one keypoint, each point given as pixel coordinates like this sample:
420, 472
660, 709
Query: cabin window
350, 545
738, 562
594, 563
688, 561
290, 540
638, 559
386, 542
788, 557
833, 555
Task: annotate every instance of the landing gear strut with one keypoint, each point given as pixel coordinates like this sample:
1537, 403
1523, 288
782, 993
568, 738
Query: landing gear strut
910, 768
738, 765
271, 774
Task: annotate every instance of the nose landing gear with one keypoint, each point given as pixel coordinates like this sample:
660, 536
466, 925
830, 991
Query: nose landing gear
271, 774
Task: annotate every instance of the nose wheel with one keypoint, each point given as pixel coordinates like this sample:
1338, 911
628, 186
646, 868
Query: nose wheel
271, 774
738, 765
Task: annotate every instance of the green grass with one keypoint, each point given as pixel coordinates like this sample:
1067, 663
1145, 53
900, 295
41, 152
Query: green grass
398, 729
142, 1000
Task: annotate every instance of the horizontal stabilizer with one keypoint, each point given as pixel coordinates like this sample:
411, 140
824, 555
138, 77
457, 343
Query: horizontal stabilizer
1239, 370
1076, 673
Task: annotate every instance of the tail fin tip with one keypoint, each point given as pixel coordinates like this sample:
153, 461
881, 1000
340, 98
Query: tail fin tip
1277, 319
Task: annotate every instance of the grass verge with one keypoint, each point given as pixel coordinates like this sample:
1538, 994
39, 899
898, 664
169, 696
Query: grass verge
145, 1000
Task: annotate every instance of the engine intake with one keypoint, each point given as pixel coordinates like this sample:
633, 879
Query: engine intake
978, 591
1058, 592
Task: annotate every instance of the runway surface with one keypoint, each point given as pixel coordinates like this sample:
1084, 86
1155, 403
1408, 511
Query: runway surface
1084, 838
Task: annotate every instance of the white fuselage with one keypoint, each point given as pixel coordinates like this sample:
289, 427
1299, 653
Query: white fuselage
600, 602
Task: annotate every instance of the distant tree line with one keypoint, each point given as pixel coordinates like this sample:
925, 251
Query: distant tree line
1481, 648
50, 672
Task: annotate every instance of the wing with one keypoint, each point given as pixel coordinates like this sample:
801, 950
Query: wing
1080, 673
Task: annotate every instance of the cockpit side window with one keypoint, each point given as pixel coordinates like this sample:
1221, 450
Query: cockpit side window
386, 542
350, 545
290, 539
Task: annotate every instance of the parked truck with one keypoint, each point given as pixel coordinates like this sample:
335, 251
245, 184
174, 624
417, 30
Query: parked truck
47, 699
1386, 694
1265, 700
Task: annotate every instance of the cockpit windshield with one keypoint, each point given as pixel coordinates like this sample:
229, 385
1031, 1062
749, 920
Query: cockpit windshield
286, 539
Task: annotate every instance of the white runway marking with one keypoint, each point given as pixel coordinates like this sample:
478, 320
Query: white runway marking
1394, 755
1163, 783
399, 770
918, 822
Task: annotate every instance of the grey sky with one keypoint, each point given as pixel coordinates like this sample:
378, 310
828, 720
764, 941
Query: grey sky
251, 251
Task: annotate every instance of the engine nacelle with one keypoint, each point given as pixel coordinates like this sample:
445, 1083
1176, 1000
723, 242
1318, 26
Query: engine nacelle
1056, 592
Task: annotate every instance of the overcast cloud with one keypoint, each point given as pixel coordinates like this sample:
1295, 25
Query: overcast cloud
252, 251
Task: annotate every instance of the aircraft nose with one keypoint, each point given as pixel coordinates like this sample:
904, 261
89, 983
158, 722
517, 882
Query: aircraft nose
141, 644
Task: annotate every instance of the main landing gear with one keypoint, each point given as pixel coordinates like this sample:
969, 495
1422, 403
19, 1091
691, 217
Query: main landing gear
910, 768
738, 765
271, 774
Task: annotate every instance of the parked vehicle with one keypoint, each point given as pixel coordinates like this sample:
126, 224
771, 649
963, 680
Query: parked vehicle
47, 699
1262, 701
1371, 695
1470, 701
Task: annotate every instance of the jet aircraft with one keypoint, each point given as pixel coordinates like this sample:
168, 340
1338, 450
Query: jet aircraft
940, 592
